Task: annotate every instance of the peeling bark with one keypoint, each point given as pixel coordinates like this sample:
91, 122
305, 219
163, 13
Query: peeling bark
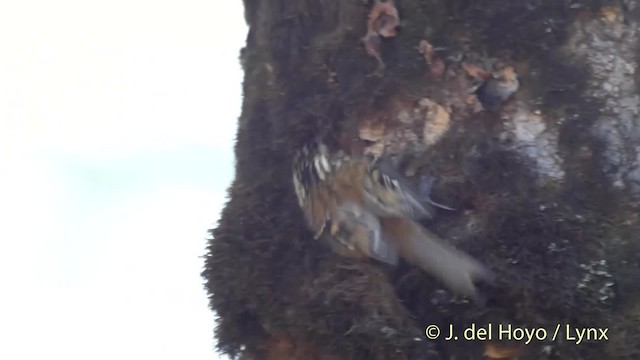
545, 184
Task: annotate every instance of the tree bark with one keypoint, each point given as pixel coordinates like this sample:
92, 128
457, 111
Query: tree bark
545, 184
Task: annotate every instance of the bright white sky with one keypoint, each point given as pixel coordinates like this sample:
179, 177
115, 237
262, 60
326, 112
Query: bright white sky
117, 124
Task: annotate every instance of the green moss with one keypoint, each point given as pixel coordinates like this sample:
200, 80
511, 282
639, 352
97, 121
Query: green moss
266, 275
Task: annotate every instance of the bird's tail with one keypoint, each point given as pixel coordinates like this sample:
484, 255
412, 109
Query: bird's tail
455, 269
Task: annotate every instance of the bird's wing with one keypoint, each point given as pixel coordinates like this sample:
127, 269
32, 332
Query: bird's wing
388, 193
426, 182
359, 230
310, 169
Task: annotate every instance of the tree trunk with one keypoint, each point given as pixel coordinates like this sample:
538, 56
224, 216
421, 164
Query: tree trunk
545, 184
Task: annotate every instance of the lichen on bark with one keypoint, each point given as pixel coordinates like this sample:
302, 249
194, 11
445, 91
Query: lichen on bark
545, 189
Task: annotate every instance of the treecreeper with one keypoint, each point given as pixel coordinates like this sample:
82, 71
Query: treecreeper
363, 208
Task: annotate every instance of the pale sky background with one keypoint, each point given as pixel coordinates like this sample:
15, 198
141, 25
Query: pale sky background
117, 124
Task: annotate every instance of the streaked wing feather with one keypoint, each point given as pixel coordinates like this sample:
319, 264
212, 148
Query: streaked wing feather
409, 203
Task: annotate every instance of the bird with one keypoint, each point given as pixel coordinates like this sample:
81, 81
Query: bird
364, 208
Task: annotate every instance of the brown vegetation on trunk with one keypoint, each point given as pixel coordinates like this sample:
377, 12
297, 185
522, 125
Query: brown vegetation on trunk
525, 112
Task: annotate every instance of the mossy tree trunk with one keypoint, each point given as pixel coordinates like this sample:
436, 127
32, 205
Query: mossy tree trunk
545, 187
